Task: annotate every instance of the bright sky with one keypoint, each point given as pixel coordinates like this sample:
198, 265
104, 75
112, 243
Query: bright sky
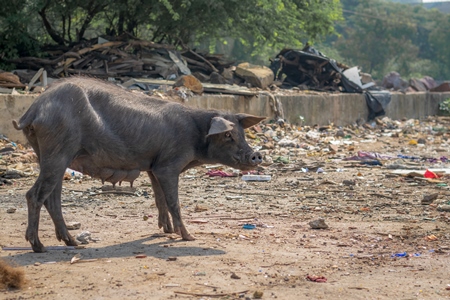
426, 1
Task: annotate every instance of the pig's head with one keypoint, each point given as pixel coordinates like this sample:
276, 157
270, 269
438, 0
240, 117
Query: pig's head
227, 143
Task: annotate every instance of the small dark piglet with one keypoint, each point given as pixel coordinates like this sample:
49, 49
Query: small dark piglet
112, 134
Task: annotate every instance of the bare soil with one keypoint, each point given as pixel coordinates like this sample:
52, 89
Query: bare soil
372, 216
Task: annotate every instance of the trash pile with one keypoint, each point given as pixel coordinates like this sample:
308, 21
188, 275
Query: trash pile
123, 58
419, 145
309, 69
15, 161
393, 81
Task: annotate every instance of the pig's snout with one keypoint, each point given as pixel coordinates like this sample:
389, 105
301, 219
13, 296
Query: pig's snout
256, 158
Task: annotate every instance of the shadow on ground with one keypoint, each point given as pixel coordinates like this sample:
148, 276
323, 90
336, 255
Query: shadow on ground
152, 246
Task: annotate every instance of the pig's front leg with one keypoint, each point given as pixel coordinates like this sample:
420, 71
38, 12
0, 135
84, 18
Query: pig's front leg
160, 200
168, 181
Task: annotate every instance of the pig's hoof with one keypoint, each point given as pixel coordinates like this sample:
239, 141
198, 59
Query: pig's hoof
70, 242
188, 237
33, 238
166, 226
185, 235
164, 222
38, 247
66, 237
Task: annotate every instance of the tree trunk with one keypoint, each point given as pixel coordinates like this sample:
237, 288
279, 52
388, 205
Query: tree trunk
53, 34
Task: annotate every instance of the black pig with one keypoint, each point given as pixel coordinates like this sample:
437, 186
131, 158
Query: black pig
106, 132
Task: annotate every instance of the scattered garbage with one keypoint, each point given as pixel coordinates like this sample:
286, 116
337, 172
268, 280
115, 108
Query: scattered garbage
249, 226
256, 177
313, 278
84, 237
220, 173
428, 199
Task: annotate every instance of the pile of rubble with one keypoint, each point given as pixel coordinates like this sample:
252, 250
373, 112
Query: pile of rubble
125, 57
393, 81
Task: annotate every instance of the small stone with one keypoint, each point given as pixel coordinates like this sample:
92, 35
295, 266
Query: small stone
37, 264
421, 141
234, 276
258, 294
318, 224
349, 182
141, 256
11, 210
171, 258
428, 199
443, 207
73, 225
340, 133
268, 145
333, 148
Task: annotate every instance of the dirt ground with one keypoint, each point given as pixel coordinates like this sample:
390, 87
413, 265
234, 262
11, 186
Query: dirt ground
374, 217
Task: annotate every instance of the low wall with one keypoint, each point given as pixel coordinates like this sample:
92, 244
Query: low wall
316, 108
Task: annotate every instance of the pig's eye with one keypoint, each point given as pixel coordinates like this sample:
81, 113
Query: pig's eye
228, 135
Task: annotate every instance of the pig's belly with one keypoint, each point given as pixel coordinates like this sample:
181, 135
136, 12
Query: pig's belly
88, 166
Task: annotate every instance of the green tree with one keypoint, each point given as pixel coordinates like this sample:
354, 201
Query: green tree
382, 36
254, 23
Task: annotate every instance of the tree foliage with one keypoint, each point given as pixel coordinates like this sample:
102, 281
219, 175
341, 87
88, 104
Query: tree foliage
381, 36
178, 22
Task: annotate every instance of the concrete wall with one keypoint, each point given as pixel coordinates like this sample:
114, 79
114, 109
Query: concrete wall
13, 107
316, 108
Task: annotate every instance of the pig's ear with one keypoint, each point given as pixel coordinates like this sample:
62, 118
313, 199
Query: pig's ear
218, 125
248, 120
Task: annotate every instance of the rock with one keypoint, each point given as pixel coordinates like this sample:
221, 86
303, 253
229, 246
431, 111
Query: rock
333, 148
257, 76
190, 82
429, 82
443, 87
365, 77
73, 225
200, 76
417, 85
348, 182
421, 141
11, 210
268, 145
340, 133
318, 224
227, 73
428, 199
444, 207
258, 294
234, 276
216, 78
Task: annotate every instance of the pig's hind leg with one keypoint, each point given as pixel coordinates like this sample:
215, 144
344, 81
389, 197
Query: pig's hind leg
163, 212
53, 206
46, 190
